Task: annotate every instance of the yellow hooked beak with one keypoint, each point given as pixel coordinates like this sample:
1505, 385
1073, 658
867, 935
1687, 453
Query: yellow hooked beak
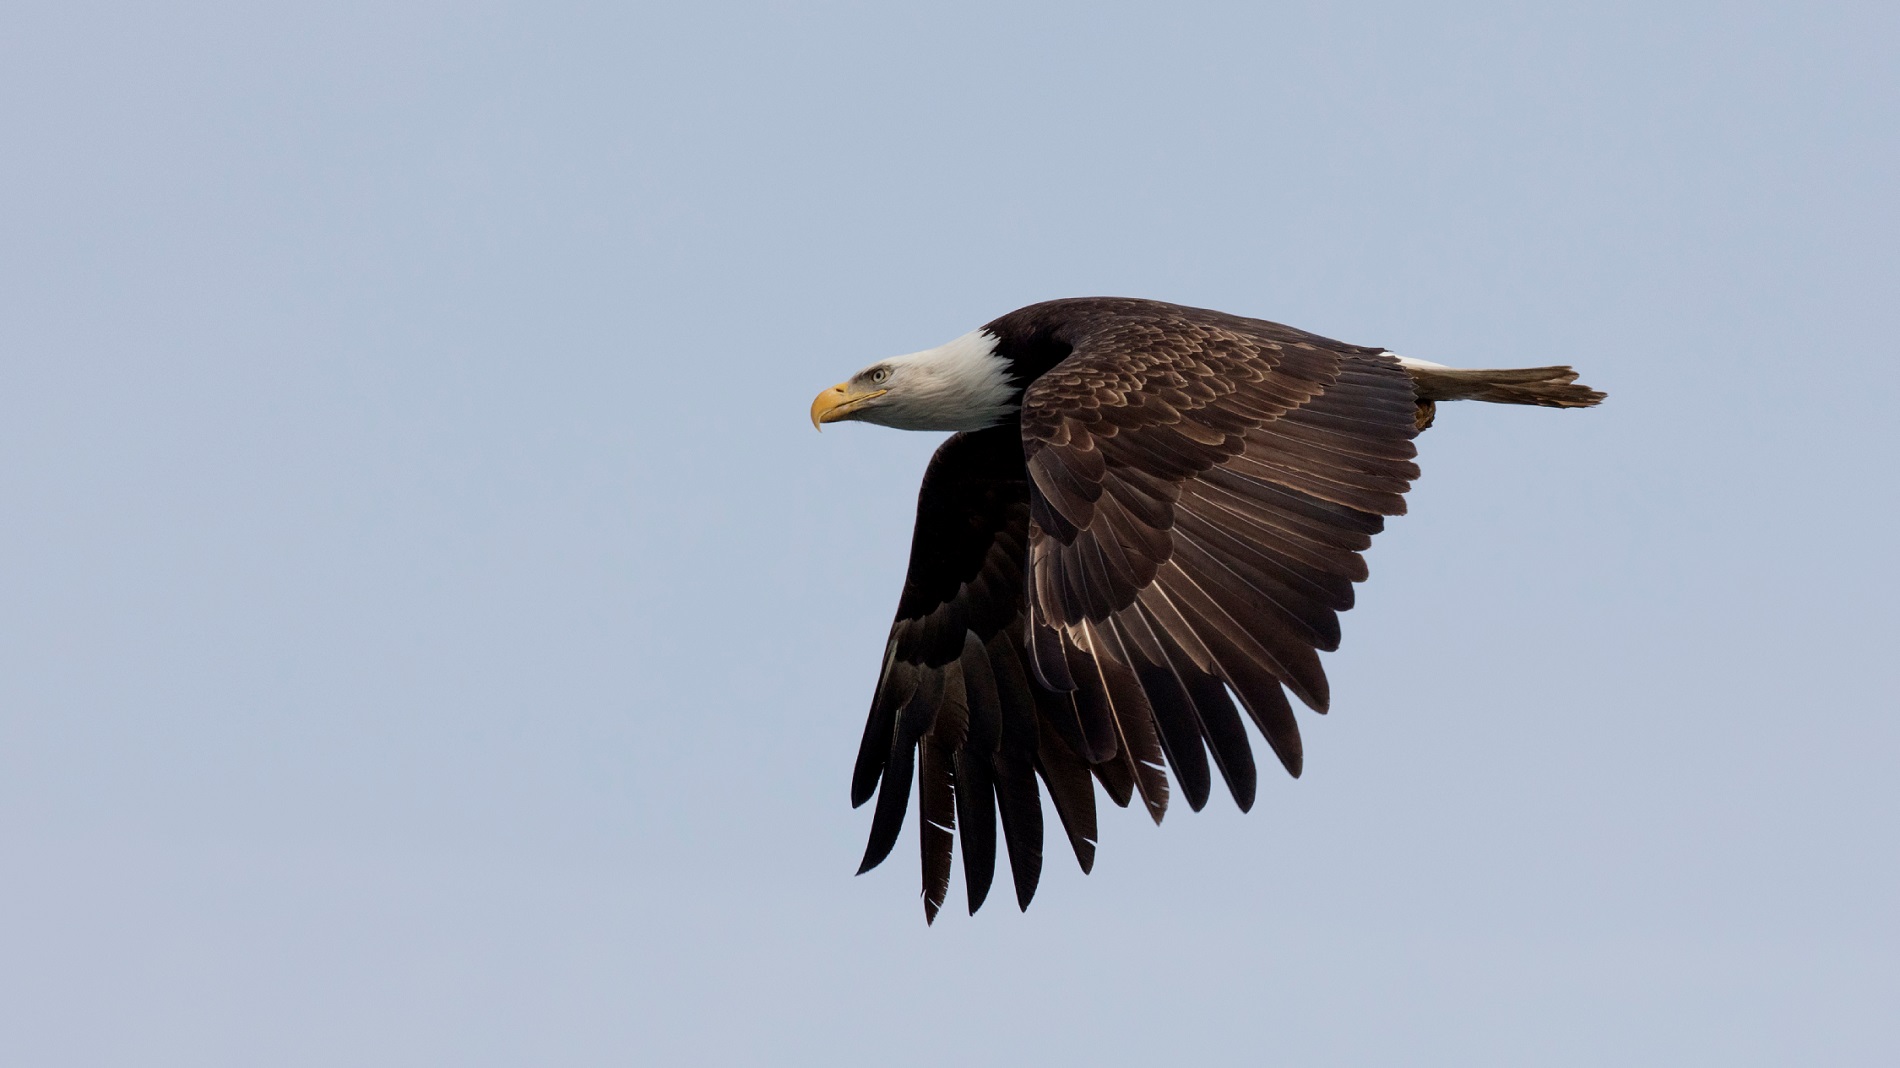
839, 402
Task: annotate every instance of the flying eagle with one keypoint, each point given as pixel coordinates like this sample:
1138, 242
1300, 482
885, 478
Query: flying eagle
1148, 513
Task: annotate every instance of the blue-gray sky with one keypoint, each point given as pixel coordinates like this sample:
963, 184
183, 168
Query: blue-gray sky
431, 633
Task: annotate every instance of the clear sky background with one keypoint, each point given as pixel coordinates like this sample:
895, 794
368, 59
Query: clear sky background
431, 632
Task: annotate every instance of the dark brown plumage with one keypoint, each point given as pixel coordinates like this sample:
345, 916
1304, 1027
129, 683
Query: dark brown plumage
1172, 521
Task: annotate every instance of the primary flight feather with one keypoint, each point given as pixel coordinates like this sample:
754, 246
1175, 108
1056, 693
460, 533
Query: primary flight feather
1148, 513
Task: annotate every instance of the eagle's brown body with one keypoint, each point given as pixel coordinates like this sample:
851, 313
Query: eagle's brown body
1150, 529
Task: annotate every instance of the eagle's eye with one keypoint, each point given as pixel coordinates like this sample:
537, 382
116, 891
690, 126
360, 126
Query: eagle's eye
879, 376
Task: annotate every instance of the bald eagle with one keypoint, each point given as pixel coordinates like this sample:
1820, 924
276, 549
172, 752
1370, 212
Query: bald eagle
1147, 521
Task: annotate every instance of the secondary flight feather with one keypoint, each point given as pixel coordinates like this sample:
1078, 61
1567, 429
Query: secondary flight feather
1145, 527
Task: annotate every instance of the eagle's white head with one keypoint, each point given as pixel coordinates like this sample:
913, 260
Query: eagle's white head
963, 385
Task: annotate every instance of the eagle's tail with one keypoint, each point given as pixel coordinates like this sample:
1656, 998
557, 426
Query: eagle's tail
1551, 387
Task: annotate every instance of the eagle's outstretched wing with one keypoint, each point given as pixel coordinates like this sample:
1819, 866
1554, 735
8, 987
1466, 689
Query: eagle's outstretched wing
956, 697
1203, 485
1180, 519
